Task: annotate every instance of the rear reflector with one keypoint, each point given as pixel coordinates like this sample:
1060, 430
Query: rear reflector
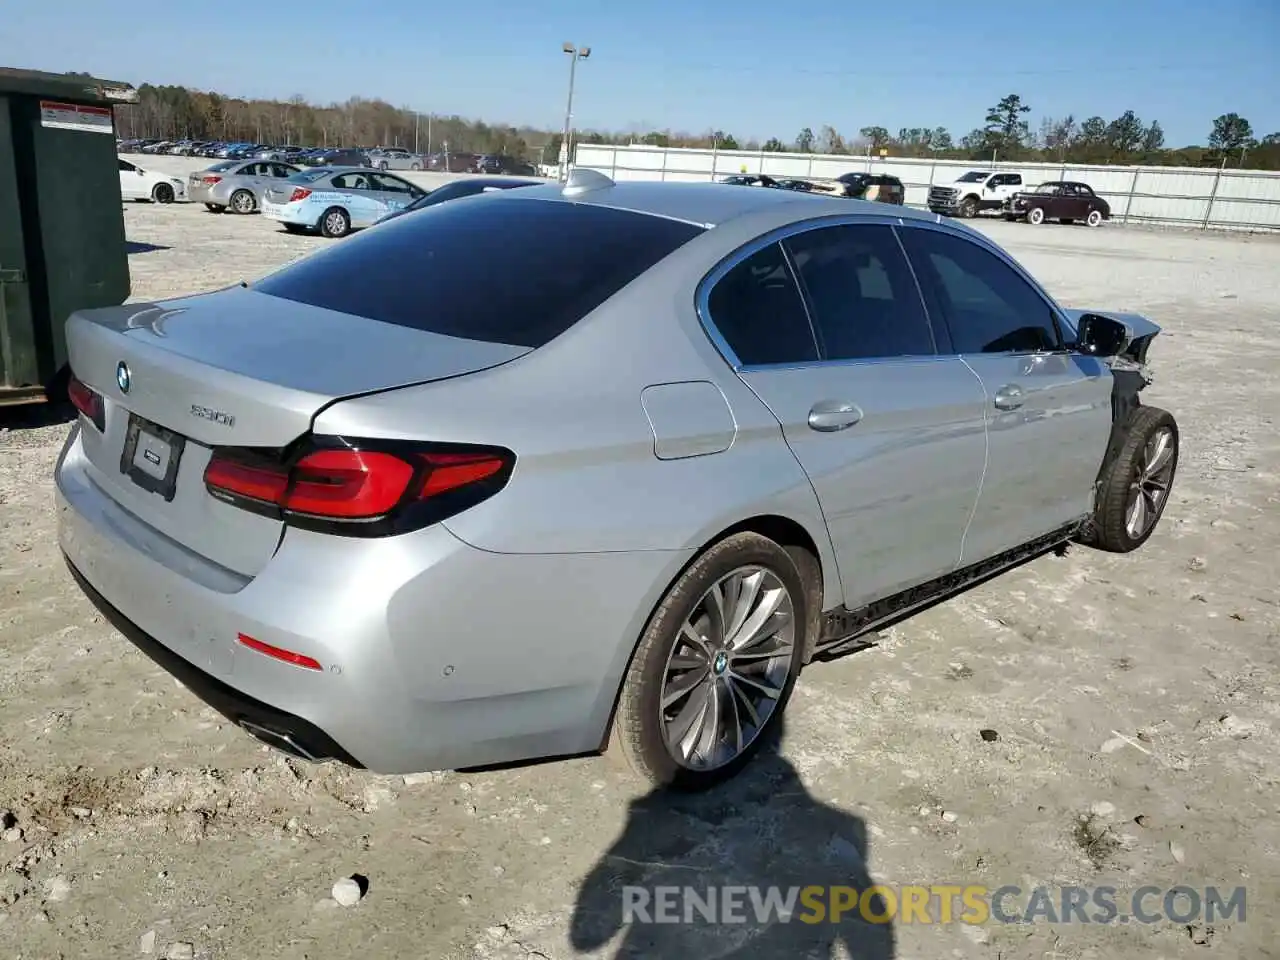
299, 193
344, 484
88, 401
279, 653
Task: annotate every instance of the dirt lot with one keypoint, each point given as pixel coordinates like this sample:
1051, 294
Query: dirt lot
1135, 703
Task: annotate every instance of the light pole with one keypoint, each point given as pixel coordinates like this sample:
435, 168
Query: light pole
575, 54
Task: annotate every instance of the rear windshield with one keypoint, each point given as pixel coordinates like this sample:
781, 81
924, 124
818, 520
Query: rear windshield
225, 165
502, 270
308, 176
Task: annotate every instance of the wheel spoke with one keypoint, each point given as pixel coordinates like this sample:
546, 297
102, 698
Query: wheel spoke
688, 718
714, 604
742, 601
761, 651
735, 717
681, 686
752, 629
1136, 520
1159, 455
740, 696
704, 744
768, 690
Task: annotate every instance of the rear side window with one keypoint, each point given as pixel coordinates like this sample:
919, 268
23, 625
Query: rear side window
759, 311
518, 272
865, 301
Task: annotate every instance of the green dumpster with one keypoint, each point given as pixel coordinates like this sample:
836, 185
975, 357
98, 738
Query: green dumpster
62, 244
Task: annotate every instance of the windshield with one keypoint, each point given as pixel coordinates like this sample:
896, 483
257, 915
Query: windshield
973, 176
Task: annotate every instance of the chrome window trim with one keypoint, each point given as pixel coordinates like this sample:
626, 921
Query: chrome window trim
702, 294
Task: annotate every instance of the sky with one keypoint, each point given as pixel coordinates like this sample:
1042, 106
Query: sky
754, 68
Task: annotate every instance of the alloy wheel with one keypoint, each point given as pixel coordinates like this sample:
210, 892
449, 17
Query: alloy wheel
1150, 485
728, 668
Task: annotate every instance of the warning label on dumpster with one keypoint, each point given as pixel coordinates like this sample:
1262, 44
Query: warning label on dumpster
70, 116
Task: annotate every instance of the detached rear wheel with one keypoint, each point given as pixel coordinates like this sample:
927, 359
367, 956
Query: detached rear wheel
1135, 486
716, 665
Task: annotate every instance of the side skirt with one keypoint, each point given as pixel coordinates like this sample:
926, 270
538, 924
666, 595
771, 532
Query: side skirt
842, 629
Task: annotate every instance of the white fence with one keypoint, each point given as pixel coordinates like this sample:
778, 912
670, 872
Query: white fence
1191, 196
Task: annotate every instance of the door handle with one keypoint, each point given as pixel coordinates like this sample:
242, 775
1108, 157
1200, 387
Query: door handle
828, 416
1009, 397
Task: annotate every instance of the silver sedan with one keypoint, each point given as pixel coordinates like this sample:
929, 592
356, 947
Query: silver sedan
395, 159
525, 473
236, 185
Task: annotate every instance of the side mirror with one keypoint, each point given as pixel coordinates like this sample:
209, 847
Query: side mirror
1100, 336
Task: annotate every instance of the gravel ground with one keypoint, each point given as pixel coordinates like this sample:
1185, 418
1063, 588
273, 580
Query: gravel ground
1133, 702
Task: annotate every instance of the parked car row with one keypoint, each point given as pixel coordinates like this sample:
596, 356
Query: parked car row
973, 192
379, 158
879, 187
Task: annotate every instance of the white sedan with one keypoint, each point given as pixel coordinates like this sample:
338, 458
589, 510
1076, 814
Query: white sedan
139, 184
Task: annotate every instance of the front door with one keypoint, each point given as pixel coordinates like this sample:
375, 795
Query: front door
1048, 408
831, 335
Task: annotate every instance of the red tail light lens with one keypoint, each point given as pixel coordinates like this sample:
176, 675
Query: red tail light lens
299, 193
360, 489
211, 180
88, 401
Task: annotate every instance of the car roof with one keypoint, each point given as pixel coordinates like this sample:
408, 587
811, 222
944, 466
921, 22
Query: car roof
710, 204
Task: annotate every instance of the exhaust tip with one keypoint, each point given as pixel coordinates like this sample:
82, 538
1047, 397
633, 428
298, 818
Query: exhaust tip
281, 740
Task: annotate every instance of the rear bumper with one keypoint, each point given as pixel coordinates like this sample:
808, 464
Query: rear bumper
282, 730
289, 213
435, 655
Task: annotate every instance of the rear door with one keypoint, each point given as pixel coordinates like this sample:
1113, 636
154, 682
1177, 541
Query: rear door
829, 331
1048, 408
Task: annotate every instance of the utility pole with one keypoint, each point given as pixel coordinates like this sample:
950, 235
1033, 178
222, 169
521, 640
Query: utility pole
575, 54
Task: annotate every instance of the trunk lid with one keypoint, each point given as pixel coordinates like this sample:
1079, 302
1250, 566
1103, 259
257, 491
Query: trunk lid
232, 368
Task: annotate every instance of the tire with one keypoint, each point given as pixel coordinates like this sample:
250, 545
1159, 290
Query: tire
968, 208
162, 193
334, 222
642, 724
1094, 218
214, 208
415, 166
1035, 216
243, 201
383, 165
1122, 480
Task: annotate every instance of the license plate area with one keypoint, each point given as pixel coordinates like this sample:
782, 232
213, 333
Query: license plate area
151, 456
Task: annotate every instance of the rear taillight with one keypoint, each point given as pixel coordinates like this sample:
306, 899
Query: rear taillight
88, 401
360, 488
299, 193
211, 180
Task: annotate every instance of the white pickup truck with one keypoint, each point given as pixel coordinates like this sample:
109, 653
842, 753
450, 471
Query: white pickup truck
973, 192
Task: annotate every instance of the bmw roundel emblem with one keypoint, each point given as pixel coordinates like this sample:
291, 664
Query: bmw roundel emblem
122, 376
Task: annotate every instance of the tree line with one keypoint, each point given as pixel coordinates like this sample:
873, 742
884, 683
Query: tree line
1006, 133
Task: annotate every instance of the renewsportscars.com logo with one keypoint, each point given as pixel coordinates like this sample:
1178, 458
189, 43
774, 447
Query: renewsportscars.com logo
936, 903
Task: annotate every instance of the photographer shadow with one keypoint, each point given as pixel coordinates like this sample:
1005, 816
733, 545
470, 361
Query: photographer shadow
679, 854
